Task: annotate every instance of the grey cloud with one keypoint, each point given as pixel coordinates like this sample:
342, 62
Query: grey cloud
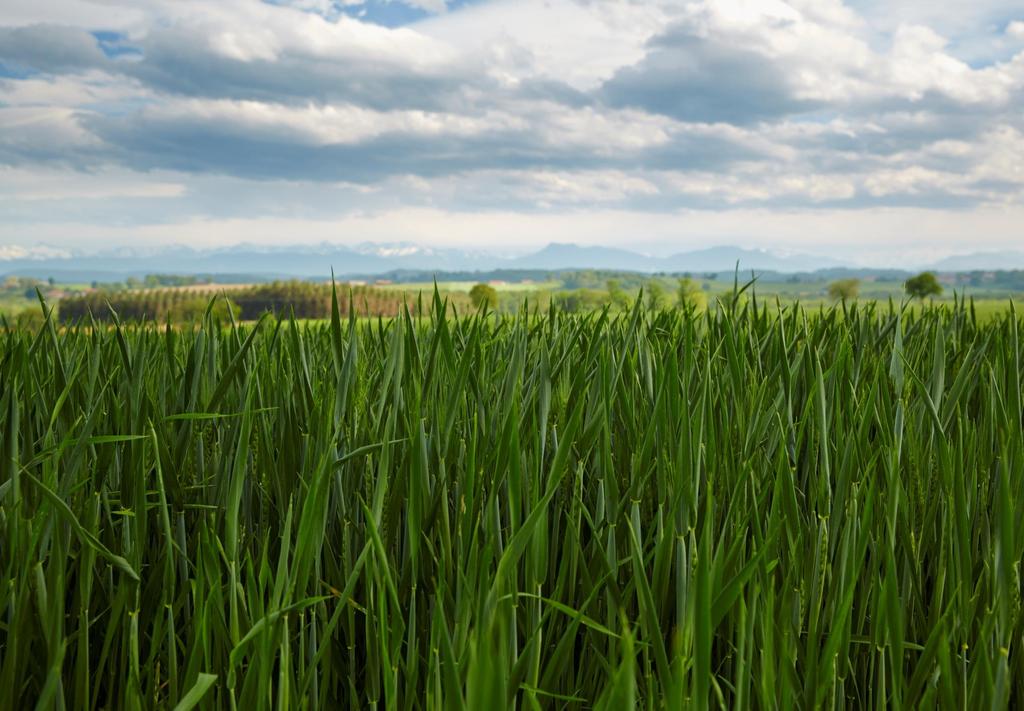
198, 147
550, 90
47, 137
692, 78
697, 152
208, 148
50, 49
894, 135
172, 62
934, 114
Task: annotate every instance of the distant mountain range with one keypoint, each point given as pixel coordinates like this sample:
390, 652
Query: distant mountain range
712, 259
981, 261
368, 260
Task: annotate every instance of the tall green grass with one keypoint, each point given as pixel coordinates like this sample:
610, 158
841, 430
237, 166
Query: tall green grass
752, 507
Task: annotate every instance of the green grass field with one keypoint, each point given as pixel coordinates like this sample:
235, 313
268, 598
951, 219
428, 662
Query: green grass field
12, 305
737, 509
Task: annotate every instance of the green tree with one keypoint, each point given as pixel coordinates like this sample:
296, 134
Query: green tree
484, 295
690, 295
580, 300
844, 289
656, 298
922, 286
617, 295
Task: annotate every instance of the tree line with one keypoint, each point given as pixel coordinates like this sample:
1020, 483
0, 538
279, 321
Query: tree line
306, 300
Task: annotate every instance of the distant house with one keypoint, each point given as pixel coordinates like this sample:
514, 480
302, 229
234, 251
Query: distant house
383, 282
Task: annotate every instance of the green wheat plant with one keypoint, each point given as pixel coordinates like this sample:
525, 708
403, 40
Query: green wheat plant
748, 507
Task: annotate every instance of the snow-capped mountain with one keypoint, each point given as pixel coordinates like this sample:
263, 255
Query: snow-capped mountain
374, 258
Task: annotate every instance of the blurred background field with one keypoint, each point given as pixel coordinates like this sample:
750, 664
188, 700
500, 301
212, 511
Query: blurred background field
185, 298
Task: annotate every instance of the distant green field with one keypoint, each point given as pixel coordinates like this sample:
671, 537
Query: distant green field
13, 305
811, 295
812, 291
983, 308
465, 286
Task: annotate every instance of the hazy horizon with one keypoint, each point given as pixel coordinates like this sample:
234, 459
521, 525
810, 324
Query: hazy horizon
877, 133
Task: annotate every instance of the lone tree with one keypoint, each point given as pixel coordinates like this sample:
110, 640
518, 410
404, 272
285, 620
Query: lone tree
844, 289
690, 295
484, 295
923, 285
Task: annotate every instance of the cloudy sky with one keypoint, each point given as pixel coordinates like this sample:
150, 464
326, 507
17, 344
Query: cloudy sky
878, 130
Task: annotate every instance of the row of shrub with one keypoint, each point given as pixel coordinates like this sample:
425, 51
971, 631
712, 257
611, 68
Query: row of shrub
306, 300
157, 304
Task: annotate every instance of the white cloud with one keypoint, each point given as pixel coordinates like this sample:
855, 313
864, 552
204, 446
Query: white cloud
91, 88
599, 131
578, 42
913, 180
90, 14
45, 130
549, 189
831, 57
321, 125
51, 184
247, 30
756, 184
1000, 156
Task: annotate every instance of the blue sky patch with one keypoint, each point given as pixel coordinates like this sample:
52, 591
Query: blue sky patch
14, 71
115, 44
